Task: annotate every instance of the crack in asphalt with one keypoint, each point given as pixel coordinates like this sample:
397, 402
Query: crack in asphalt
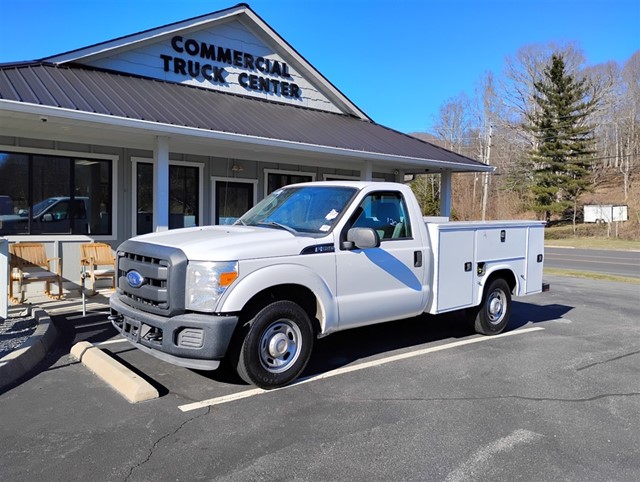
504, 397
607, 361
157, 442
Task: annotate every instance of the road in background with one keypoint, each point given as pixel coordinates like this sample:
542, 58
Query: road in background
619, 263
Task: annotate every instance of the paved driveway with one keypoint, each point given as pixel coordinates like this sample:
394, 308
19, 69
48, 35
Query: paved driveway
557, 399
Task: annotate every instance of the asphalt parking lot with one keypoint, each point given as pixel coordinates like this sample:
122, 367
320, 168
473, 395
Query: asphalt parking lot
558, 398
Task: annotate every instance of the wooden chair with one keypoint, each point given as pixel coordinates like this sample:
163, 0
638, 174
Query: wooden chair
29, 263
97, 261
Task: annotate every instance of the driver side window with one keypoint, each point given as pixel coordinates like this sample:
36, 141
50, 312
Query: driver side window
386, 212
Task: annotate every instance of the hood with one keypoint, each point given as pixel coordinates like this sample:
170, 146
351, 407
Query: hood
230, 243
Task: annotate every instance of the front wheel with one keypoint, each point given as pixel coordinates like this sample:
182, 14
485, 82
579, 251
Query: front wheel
276, 346
495, 310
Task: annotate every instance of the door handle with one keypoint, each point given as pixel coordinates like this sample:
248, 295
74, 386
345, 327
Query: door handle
417, 259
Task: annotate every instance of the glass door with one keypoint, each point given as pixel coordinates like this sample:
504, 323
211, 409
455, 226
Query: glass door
233, 199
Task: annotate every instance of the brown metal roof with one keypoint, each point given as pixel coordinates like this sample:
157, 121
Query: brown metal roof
96, 91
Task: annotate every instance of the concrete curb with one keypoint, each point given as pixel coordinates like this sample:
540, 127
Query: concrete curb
21, 361
124, 381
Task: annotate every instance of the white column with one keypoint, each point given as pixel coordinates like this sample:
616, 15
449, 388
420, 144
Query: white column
366, 173
445, 193
161, 184
4, 279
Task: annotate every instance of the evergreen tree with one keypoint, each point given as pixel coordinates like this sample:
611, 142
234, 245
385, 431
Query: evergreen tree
564, 143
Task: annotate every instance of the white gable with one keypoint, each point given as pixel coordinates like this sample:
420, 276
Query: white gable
226, 57
232, 50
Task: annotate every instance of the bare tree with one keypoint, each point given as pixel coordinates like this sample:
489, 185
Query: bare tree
628, 142
453, 122
618, 121
527, 67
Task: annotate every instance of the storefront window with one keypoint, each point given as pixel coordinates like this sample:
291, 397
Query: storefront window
144, 197
183, 202
54, 195
14, 193
183, 196
93, 183
51, 178
233, 199
276, 180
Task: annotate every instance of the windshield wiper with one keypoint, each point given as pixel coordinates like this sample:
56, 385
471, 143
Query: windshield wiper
273, 224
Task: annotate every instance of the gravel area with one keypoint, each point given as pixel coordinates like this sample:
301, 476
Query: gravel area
14, 331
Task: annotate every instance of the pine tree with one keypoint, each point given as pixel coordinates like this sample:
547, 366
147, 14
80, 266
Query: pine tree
562, 156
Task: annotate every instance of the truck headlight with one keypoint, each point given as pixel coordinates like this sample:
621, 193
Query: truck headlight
206, 281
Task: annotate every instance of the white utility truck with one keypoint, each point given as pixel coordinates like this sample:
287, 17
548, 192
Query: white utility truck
309, 260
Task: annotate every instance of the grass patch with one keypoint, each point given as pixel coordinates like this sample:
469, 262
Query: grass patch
596, 236
591, 275
594, 243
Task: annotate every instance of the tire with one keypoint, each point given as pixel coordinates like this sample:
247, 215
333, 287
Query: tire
275, 346
494, 312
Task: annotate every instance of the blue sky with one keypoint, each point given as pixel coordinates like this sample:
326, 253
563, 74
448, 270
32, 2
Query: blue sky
398, 60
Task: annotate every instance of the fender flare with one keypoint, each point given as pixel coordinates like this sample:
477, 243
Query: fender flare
235, 299
490, 271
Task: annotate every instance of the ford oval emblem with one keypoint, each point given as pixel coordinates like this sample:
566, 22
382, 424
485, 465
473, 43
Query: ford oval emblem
135, 279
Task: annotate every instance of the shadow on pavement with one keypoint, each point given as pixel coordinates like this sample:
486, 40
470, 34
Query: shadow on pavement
343, 348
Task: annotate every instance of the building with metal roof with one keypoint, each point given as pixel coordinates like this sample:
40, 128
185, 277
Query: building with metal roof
186, 124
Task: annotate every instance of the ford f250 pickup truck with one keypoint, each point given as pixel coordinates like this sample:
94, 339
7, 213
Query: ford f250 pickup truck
308, 260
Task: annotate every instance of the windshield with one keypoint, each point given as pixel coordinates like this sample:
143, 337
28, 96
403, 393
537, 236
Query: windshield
300, 209
38, 208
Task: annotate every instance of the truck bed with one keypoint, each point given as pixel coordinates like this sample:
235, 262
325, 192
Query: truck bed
465, 253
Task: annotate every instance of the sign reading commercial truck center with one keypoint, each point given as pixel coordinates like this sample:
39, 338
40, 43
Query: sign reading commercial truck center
229, 57
194, 59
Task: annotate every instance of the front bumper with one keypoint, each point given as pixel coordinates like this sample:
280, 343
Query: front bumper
189, 340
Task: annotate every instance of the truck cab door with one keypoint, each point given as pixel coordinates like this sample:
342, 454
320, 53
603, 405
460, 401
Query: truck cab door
385, 282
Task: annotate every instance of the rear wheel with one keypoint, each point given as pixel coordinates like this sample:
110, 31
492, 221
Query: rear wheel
494, 312
275, 346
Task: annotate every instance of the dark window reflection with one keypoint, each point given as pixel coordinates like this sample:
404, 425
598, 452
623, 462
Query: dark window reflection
93, 196
14, 193
233, 199
184, 203
184, 188
144, 198
54, 195
276, 180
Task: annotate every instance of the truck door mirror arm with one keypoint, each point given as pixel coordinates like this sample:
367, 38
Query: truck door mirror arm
361, 238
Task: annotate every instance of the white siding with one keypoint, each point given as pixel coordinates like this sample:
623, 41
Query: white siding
146, 61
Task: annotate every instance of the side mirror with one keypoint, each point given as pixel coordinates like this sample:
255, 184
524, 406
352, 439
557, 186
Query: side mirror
362, 238
47, 218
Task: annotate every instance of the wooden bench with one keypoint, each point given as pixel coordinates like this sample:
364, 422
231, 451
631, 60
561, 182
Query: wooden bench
29, 263
98, 262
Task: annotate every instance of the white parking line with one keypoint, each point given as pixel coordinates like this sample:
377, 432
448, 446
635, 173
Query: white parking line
349, 369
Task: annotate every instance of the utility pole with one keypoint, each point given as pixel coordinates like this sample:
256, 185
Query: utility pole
485, 191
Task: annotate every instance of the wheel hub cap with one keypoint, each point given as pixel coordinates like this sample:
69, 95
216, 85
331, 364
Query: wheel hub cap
495, 307
278, 345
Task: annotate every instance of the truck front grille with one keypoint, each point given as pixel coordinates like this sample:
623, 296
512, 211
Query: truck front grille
162, 270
